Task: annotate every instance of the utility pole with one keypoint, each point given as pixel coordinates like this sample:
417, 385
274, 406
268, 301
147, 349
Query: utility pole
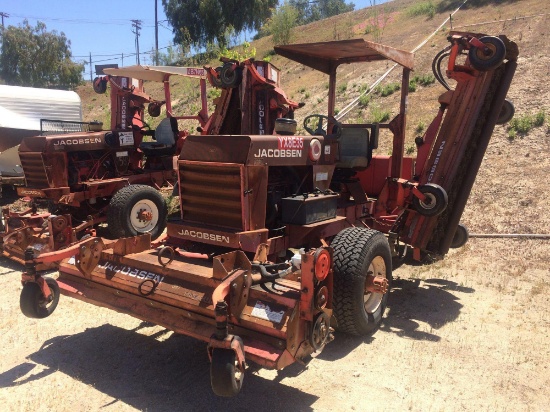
6, 15
156, 36
122, 65
136, 24
91, 67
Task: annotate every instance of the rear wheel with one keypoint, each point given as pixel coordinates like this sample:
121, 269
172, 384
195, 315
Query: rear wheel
361, 256
135, 210
225, 375
32, 302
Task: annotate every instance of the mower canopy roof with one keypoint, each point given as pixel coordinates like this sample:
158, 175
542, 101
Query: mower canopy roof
327, 56
156, 73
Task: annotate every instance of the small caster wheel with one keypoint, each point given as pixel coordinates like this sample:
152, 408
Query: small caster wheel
460, 237
230, 76
99, 85
32, 301
435, 202
506, 113
490, 57
225, 375
215, 81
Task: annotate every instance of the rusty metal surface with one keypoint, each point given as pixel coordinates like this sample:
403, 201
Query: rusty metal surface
176, 319
156, 73
326, 56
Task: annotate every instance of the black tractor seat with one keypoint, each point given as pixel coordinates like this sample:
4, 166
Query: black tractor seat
157, 149
166, 135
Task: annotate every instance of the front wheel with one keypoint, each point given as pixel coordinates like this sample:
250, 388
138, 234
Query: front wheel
32, 302
362, 279
225, 375
136, 210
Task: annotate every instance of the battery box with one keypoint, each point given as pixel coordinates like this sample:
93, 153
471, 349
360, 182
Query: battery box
308, 208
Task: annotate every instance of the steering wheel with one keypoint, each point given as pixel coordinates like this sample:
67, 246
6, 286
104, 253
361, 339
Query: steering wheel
337, 126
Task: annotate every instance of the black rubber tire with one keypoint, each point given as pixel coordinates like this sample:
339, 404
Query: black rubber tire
460, 237
229, 77
354, 250
32, 302
216, 81
484, 62
120, 210
99, 85
223, 373
506, 113
437, 203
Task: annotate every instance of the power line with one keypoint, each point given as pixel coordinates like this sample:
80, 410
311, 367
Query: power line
115, 55
115, 22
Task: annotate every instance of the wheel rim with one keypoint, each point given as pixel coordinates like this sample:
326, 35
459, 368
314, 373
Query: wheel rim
430, 201
138, 216
43, 303
480, 53
238, 372
373, 300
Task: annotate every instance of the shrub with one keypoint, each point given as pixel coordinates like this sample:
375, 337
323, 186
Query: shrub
539, 118
364, 100
426, 8
522, 125
387, 90
422, 80
378, 115
213, 93
420, 127
342, 88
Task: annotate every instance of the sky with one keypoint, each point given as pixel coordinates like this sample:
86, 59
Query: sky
103, 29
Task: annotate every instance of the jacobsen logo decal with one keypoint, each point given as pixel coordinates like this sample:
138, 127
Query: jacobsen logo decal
67, 142
124, 104
204, 235
436, 161
287, 146
27, 192
130, 271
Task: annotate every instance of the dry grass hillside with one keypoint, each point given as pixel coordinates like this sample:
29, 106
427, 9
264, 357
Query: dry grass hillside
468, 333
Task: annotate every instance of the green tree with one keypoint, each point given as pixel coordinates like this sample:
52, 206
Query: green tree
33, 56
282, 22
200, 22
309, 11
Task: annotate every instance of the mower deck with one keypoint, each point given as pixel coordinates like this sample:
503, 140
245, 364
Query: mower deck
180, 296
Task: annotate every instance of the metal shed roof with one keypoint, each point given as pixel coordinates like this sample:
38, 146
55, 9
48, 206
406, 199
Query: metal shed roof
326, 56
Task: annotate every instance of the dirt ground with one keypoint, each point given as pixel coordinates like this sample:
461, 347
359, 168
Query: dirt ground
470, 332
467, 333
